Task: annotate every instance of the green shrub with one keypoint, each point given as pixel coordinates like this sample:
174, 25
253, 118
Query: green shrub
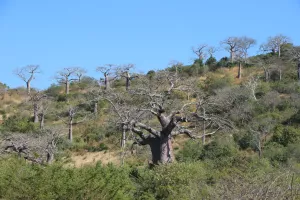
285, 135
19, 124
18, 180
190, 152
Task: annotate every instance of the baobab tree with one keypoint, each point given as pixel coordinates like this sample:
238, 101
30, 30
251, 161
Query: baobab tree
212, 50
106, 70
124, 72
44, 108
200, 51
80, 72
231, 44
66, 76
152, 99
72, 116
243, 45
36, 100
27, 74
274, 44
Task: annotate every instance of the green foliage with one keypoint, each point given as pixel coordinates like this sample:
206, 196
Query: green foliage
216, 81
19, 124
191, 151
21, 181
286, 135
180, 181
222, 153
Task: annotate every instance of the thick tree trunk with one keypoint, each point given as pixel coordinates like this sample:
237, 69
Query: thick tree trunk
279, 51
42, 121
231, 56
166, 150
50, 157
155, 150
71, 130
240, 70
67, 87
28, 87
35, 113
106, 82
127, 83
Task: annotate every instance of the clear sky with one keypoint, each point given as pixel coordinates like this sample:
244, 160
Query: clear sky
149, 33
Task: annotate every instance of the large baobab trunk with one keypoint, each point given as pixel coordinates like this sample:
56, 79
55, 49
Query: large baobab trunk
161, 150
166, 150
240, 70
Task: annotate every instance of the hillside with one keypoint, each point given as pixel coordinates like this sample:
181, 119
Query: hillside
226, 129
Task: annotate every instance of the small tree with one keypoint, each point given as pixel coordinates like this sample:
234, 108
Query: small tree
200, 51
243, 45
72, 116
274, 44
231, 44
106, 70
124, 72
36, 100
27, 74
80, 72
66, 76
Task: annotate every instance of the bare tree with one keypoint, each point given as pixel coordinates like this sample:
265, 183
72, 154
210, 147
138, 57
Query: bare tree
66, 76
80, 72
27, 74
152, 99
252, 85
44, 107
124, 72
176, 64
212, 50
36, 100
274, 44
37, 148
243, 45
231, 44
200, 51
106, 70
72, 117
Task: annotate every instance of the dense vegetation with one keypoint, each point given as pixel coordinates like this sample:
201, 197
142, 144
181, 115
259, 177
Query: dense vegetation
226, 129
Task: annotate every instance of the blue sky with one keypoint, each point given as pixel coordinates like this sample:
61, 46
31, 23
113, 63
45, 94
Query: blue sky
149, 33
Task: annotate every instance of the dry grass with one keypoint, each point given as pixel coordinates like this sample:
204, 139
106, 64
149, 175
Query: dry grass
91, 158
